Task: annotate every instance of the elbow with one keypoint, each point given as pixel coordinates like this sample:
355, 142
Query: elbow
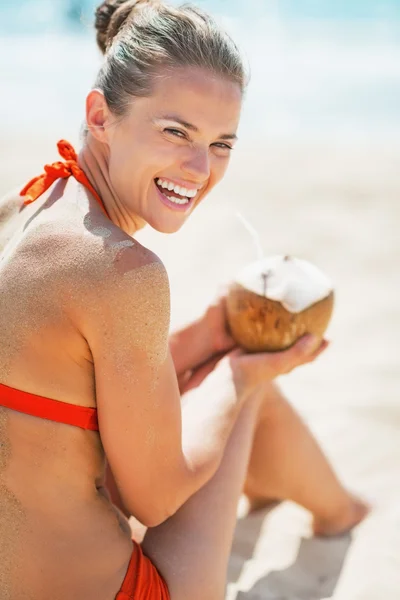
152, 516
154, 520
160, 502
153, 508
161, 507
171, 503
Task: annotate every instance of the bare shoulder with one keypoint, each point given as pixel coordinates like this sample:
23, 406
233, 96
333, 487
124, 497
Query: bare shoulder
120, 264
94, 256
122, 286
136, 275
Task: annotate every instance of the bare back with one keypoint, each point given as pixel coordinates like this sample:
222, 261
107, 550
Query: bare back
55, 515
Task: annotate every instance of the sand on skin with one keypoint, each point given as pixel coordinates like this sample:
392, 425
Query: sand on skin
336, 205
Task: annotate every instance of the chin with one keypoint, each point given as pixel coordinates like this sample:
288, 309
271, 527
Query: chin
164, 227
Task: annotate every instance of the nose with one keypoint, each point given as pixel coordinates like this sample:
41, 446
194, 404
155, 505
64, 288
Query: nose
197, 164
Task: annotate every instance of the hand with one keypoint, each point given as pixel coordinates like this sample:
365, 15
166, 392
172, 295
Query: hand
217, 341
251, 371
192, 379
216, 324
201, 341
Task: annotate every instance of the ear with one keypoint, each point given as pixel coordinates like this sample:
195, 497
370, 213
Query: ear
97, 115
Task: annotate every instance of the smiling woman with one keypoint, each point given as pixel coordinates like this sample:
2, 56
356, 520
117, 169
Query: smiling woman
182, 134
91, 381
187, 80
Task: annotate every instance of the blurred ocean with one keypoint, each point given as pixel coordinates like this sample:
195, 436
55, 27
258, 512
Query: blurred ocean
327, 68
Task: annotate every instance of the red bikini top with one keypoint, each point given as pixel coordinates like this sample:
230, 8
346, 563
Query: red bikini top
25, 402
46, 408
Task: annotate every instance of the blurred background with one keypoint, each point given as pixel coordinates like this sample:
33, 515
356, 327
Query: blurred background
316, 170
320, 67
316, 173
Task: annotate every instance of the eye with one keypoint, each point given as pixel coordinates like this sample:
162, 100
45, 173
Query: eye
175, 132
222, 146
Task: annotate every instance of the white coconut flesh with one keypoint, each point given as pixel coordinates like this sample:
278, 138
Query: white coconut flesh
295, 283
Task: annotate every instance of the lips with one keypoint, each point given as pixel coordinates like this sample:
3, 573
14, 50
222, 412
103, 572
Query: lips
181, 190
181, 207
170, 193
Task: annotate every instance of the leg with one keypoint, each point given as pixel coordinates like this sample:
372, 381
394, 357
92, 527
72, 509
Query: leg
192, 548
287, 464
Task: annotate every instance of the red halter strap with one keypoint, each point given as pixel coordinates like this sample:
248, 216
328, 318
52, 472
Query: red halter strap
59, 170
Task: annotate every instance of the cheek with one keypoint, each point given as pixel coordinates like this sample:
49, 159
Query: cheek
218, 170
125, 149
123, 176
127, 160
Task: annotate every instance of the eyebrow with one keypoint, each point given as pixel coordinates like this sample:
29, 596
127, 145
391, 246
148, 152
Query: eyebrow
191, 127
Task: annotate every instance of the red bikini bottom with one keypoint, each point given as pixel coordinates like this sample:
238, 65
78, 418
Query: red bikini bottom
142, 580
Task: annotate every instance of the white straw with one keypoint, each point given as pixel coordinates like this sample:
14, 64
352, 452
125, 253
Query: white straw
254, 234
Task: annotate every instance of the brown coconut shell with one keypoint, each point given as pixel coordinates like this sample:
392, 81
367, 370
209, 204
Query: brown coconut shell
259, 324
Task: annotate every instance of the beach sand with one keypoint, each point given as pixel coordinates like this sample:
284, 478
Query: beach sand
336, 204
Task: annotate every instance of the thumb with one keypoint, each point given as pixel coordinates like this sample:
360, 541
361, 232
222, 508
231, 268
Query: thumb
307, 344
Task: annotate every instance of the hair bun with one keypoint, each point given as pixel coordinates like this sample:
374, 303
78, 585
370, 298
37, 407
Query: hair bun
109, 18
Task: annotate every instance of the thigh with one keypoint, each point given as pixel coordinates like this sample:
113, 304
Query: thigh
191, 549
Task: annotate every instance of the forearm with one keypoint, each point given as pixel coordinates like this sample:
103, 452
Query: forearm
208, 417
209, 414
190, 346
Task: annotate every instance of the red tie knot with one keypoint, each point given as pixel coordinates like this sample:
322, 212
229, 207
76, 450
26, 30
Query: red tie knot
59, 170
66, 150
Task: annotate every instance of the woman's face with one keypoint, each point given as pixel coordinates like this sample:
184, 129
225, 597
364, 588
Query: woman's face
173, 147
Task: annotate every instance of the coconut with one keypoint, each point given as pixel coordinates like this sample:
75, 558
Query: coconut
276, 300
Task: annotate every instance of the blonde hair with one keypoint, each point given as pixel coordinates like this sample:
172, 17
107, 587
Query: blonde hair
143, 39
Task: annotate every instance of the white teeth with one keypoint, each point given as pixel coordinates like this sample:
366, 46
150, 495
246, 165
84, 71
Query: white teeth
182, 191
177, 200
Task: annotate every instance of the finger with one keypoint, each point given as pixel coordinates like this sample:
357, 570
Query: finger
236, 352
226, 341
322, 347
304, 346
307, 344
183, 380
301, 352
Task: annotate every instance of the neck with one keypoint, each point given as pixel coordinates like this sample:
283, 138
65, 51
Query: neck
94, 160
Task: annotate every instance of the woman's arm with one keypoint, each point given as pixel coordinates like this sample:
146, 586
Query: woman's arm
159, 452
156, 467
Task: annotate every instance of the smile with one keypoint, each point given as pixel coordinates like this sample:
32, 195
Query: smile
173, 195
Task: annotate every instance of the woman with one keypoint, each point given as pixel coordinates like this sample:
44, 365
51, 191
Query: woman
87, 369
